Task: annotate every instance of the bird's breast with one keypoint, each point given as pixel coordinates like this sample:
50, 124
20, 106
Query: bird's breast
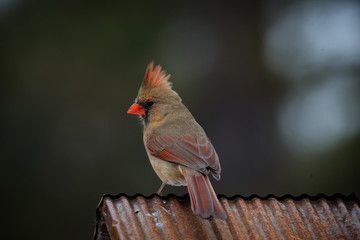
168, 172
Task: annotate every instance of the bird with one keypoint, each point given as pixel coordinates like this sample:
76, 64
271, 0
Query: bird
179, 151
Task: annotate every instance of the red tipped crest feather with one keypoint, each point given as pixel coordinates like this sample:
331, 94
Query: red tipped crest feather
155, 77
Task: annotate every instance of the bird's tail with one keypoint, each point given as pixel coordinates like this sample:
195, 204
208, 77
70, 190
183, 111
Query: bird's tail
204, 201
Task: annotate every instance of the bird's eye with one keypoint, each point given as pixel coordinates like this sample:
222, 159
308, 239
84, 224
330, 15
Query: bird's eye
149, 103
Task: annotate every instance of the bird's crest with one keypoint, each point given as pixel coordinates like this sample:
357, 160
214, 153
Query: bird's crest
155, 77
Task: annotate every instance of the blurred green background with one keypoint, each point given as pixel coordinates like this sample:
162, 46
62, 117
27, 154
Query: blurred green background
275, 84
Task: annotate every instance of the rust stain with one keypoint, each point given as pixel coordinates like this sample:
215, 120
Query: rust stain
294, 237
271, 217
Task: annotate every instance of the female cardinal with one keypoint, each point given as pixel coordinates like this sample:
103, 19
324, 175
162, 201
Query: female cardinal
178, 148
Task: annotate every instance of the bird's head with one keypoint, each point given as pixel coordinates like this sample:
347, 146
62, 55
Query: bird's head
155, 98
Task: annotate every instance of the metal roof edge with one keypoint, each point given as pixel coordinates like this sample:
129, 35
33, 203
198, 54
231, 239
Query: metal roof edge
349, 197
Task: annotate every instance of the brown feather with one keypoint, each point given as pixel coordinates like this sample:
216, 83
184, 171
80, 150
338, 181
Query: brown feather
204, 201
196, 153
155, 77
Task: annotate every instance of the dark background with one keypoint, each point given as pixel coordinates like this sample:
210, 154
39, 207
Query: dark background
276, 86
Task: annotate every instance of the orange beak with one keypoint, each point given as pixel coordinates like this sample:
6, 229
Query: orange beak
136, 109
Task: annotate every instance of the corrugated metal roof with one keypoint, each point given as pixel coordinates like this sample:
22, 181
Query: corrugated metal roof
271, 217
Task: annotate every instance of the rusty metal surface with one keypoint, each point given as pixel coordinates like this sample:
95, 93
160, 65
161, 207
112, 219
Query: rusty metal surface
287, 217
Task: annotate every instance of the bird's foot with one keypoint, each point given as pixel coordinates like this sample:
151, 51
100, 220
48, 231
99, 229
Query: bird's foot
161, 187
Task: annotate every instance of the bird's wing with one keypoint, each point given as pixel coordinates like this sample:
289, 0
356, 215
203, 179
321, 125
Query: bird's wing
196, 153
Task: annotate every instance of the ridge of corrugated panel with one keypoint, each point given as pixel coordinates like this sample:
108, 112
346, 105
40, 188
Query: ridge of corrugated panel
254, 217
